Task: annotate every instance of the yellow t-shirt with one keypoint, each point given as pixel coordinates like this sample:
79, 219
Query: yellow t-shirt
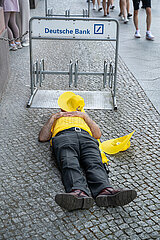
69, 122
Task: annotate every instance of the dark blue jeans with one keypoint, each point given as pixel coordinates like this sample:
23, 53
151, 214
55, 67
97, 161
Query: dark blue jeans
75, 151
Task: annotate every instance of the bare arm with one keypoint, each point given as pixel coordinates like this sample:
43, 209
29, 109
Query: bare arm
45, 133
96, 132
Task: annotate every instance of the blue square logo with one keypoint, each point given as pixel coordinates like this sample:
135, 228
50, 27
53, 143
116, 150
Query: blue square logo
98, 28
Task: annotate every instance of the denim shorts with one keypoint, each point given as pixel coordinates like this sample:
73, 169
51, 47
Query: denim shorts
146, 3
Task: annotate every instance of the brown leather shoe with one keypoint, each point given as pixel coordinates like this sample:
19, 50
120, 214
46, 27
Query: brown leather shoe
111, 197
76, 199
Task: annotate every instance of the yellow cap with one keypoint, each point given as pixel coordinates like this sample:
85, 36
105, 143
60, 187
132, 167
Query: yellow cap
113, 146
70, 102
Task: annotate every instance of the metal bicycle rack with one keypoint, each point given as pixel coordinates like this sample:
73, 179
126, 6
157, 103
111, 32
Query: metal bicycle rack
49, 12
97, 31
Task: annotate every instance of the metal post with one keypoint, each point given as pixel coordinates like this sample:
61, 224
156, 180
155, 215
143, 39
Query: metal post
30, 50
46, 8
116, 63
67, 13
105, 74
83, 13
43, 68
86, 13
76, 73
112, 77
40, 73
88, 8
70, 73
33, 70
51, 11
37, 72
110, 74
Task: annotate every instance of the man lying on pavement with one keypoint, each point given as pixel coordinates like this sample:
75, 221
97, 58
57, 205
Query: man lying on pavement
73, 136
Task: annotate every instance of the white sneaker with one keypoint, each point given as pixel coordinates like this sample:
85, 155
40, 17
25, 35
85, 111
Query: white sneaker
112, 7
137, 34
122, 18
126, 20
94, 7
99, 8
18, 44
149, 36
25, 43
12, 47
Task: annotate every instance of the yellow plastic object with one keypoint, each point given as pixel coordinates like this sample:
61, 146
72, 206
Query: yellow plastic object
113, 146
104, 158
70, 102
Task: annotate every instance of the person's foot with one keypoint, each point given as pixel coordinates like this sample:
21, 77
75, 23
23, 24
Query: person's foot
137, 34
129, 15
12, 47
112, 7
25, 43
111, 197
18, 44
149, 36
74, 200
94, 7
126, 20
106, 14
122, 18
99, 9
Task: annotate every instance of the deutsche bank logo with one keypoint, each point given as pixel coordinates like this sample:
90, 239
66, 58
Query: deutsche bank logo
98, 28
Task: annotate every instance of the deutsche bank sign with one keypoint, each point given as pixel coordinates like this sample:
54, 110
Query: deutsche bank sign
69, 29
98, 28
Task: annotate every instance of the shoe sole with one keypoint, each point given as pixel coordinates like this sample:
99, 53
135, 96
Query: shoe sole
120, 199
150, 39
71, 202
13, 49
137, 36
25, 44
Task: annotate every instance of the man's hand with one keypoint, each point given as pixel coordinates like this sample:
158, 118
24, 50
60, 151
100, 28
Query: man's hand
96, 133
68, 114
74, 114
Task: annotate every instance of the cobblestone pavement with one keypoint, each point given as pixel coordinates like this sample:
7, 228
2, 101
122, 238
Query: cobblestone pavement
30, 179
